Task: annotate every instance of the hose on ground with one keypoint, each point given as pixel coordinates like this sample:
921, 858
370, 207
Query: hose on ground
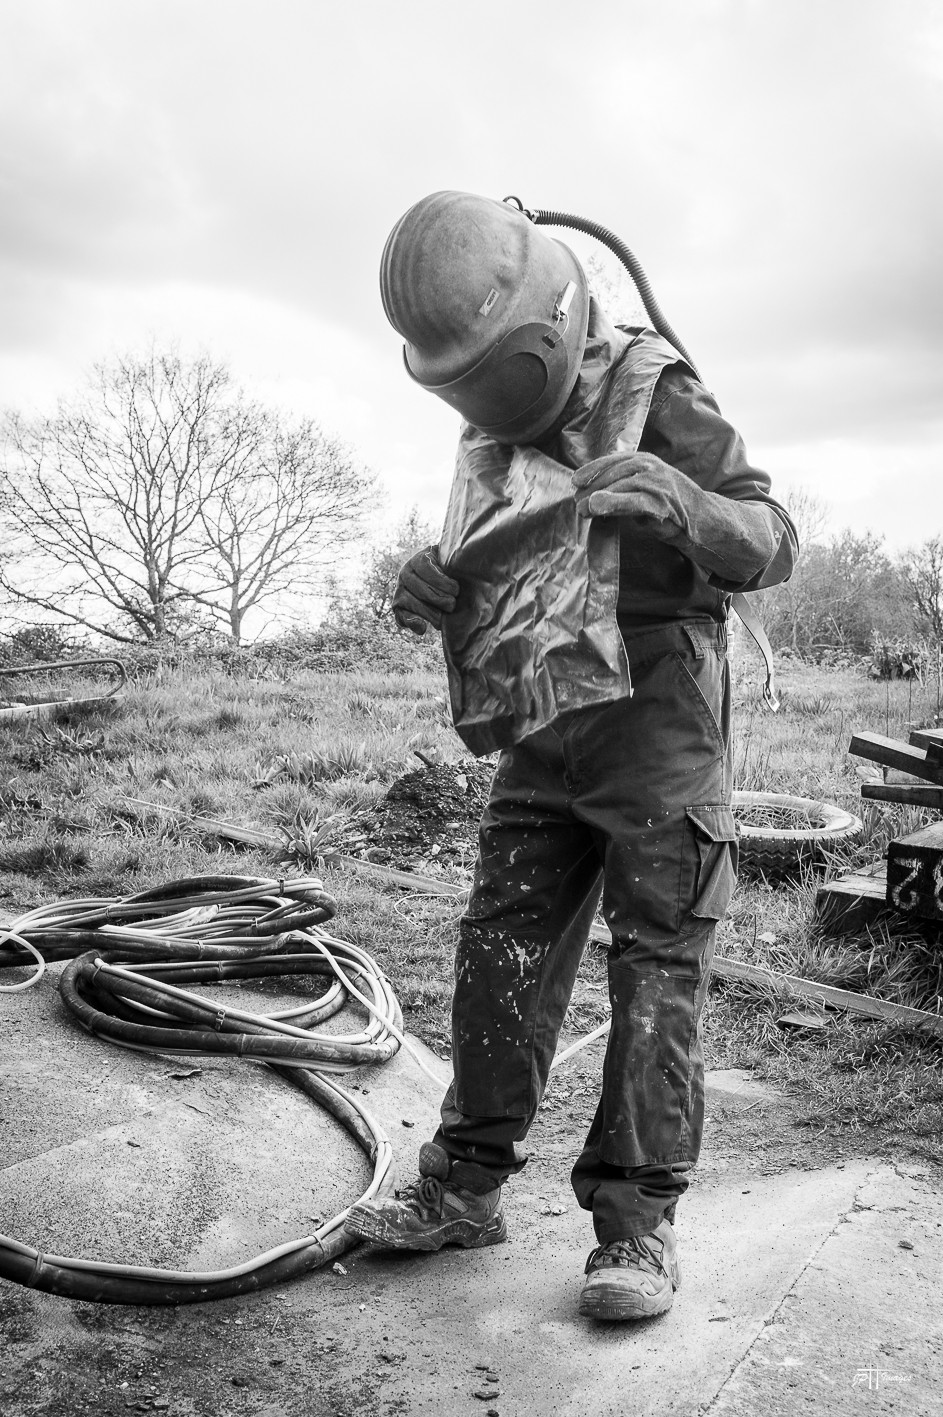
128, 959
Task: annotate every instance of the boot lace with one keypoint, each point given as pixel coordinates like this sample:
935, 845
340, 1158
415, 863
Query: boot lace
637, 1252
425, 1196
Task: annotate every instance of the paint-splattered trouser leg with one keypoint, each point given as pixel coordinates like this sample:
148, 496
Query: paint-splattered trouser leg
636, 793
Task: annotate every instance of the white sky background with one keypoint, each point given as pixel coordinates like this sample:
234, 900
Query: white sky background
223, 173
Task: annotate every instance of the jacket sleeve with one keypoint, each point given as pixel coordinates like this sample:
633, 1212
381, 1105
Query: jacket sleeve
740, 537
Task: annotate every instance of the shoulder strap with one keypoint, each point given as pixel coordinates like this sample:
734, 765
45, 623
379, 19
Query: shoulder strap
754, 625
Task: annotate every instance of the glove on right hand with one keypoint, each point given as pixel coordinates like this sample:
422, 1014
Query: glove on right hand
424, 592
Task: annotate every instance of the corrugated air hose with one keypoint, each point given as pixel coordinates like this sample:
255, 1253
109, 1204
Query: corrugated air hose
128, 961
630, 261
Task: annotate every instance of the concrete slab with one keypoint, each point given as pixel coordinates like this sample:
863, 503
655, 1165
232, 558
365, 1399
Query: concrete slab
862, 1327
795, 1286
514, 1307
172, 1161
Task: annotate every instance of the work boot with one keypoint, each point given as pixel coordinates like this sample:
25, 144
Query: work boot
452, 1203
632, 1279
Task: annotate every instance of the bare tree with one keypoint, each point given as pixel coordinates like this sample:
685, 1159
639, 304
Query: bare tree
790, 609
614, 288
270, 530
845, 588
809, 515
379, 584
162, 492
100, 500
922, 569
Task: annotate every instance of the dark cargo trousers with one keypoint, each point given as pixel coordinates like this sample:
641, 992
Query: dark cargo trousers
634, 797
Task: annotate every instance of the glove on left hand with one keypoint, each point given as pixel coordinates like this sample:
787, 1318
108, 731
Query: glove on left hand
424, 592
732, 541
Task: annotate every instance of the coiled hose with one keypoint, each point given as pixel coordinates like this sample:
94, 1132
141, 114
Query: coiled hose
129, 958
630, 261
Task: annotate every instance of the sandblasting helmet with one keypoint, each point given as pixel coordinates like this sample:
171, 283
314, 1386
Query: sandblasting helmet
493, 312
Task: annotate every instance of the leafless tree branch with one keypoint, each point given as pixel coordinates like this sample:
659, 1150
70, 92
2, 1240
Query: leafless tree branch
162, 491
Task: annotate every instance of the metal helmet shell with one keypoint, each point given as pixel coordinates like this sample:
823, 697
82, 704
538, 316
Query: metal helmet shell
493, 312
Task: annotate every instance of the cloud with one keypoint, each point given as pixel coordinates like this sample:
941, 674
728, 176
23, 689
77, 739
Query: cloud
861, 483
231, 169
91, 185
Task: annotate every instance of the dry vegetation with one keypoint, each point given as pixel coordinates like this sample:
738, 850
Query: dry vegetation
308, 758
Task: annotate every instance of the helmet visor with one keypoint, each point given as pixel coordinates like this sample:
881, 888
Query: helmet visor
515, 385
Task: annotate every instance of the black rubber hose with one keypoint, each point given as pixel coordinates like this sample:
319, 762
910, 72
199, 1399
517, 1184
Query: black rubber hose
91, 995
39, 1273
59, 944
631, 262
226, 887
123, 984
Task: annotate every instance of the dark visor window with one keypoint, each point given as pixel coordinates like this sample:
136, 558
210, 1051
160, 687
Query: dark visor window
505, 390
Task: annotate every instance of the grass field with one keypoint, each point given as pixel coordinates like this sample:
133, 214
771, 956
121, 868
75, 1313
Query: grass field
308, 758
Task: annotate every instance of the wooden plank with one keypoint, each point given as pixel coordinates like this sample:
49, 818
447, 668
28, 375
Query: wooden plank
18, 713
932, 740
915, 873
910, 794
845, 999
853, 900
228, 831
894, 754
835, 998
385, 875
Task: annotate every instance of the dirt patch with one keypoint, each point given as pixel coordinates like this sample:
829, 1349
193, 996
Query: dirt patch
428, 821
755, 1127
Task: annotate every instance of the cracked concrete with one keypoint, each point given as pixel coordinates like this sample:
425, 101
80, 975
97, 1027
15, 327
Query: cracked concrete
814, 1290
866, 1305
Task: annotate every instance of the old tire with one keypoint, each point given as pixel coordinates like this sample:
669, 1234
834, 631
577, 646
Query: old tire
819, 827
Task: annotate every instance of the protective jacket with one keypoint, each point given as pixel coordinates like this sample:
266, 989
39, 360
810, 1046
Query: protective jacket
547, 596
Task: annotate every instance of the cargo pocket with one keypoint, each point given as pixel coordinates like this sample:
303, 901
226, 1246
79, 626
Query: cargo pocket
715, 864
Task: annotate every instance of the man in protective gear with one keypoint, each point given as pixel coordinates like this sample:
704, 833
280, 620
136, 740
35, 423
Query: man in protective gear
602, 514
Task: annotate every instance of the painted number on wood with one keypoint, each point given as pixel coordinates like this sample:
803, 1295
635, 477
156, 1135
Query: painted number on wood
922, 883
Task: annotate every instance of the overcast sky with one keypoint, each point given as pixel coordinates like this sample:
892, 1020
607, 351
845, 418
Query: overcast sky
224, 173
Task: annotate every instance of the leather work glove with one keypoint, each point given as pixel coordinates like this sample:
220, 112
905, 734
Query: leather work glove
424, 593
732, 541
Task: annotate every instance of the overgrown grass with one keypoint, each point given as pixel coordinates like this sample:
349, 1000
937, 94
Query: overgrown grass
304, 757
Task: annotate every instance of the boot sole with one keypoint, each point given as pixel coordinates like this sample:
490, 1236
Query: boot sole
625, 1306
471, 1235
619, 1303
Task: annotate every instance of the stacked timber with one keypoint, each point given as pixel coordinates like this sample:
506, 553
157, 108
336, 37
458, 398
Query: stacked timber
922, 757
914, 879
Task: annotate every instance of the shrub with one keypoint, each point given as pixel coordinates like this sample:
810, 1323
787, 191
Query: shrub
39, 644
903, 659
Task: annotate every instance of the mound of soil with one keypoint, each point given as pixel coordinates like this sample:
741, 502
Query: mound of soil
428, 821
